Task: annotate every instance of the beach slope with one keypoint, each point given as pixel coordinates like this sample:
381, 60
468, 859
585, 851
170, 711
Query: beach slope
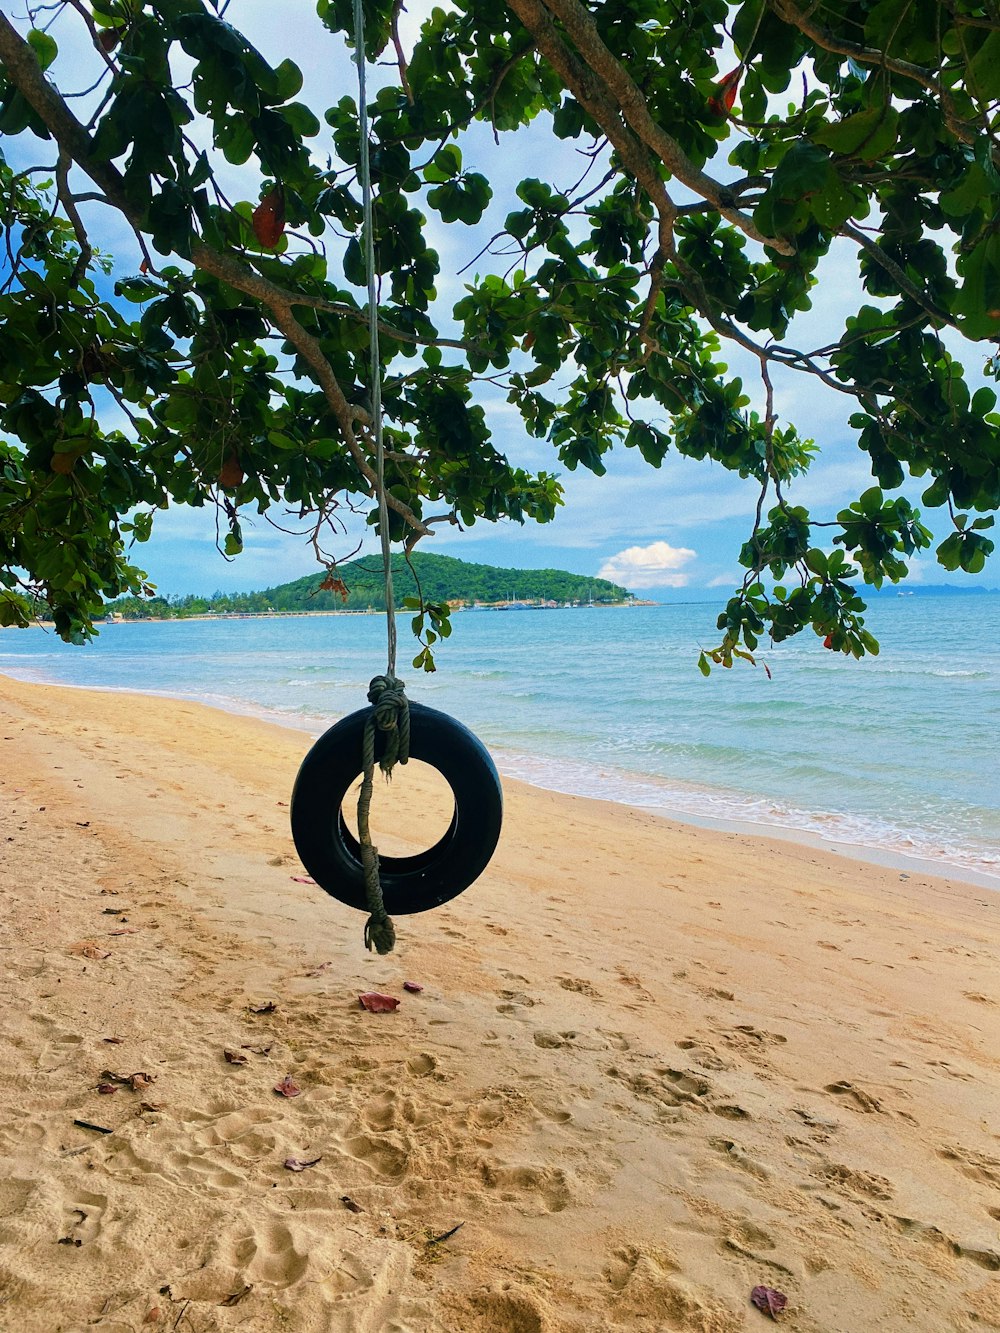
651, 1067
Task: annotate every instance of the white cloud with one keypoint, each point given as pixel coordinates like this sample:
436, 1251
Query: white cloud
657, 565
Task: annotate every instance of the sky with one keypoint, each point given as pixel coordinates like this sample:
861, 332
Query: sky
671, 533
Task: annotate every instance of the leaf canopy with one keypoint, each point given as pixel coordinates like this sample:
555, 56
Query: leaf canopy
231, 368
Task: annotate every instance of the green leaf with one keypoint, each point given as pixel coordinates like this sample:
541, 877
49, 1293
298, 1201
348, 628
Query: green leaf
44, 47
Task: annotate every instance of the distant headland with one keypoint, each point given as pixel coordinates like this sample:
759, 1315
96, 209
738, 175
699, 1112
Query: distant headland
357, 586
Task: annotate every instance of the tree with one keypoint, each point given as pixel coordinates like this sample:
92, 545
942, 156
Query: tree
236, 355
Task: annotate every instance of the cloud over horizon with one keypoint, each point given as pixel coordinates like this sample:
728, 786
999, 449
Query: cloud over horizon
657, 565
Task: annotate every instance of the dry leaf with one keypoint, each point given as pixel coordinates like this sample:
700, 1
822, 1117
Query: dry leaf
113, 1041
269, 218
348, 1202
234, 1058
297, 1164
153, 1316
257, 1050
770, 1301
138, 1081
89, 949
125, 930
150, 1106
303, 879
106, 1089
316, 971
237, 1296
414, 987
287, 1087
268, 1007
377, 1003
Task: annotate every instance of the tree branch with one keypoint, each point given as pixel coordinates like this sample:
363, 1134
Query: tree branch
580, 25
866, 55
74, 142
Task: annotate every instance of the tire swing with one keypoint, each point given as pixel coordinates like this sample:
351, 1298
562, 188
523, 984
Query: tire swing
391, 730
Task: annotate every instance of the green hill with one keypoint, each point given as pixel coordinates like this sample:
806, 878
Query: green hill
442, 579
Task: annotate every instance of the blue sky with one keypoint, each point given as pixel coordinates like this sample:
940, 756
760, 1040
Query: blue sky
672, 532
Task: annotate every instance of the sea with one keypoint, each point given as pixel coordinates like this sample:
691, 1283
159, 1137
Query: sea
892, 757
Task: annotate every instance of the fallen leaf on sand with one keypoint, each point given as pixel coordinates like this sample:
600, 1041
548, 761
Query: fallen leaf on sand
348, 1202
113, 1041
106, 1089
287, 1087
770, 1301
297, 1164
89, 949
414, 987
153, 1316
235, 1058
150, 1106
377, 1003
137, 1081
303, 879
257, 1050
237, 1296
268, 1007
125, 930
319, 969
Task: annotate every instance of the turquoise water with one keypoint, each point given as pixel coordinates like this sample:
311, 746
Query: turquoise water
895, 753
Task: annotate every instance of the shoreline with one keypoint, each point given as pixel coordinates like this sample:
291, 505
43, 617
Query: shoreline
651, 1066
754, 827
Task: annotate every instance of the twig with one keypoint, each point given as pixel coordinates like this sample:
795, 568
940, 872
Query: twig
445, 1235
98, 1129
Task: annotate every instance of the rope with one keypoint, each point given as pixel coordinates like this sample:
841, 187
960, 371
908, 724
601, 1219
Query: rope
390, 709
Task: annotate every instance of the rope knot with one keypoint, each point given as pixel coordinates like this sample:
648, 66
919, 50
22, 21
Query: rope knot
391, 711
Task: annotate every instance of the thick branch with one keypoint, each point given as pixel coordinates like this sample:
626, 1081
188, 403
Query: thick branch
866, 55
629, 98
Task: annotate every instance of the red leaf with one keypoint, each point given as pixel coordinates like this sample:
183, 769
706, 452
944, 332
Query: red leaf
376, 1003
828, 641
297, 1164
287, 1087
414, 987
725, 92
770, 1301
106, 1089
269, 218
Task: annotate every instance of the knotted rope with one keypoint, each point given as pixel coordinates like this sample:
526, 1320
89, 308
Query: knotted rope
390, 711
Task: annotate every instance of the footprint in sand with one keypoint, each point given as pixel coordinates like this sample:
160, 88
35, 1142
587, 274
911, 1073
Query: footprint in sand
545, 1185
975, 1165
703, 1054
514, 1000
580, 986
855, 1097
82, 1216
271, 1253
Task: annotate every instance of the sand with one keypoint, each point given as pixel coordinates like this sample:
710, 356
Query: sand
652, 1066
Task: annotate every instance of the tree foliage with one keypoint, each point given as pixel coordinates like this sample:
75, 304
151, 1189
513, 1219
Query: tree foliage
235, 358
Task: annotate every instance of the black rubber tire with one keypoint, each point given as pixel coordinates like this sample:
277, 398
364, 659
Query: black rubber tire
330, 852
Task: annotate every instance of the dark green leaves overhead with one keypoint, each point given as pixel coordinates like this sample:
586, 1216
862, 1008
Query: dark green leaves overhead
602, 222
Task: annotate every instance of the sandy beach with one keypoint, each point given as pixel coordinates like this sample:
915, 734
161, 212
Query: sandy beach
651, 1068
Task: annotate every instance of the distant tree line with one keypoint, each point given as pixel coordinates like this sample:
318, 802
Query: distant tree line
358, 586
